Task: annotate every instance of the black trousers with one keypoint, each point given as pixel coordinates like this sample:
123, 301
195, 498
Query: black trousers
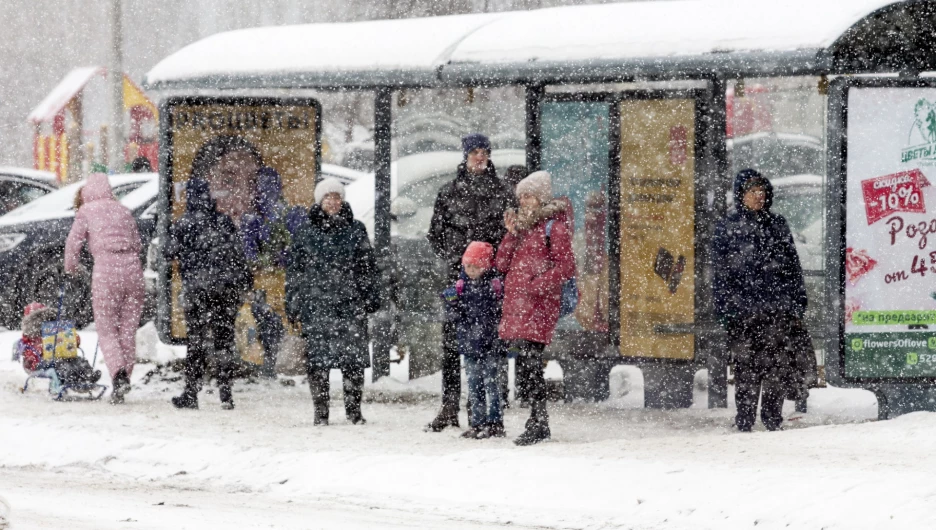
209, 317
451, 369
352, 385
762, 366
530, 380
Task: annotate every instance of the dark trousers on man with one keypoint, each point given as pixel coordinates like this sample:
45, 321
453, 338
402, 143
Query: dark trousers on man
209, 318
451, 370
352, 385
762, 366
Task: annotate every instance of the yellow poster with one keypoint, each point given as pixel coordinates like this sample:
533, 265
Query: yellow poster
657, 227
259, 157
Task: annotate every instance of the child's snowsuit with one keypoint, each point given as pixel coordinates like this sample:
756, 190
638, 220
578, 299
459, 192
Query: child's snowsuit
475, 308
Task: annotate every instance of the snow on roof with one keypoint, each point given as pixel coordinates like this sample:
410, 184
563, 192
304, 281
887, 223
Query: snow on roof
63, 93
423, 50
418, 44
662, 29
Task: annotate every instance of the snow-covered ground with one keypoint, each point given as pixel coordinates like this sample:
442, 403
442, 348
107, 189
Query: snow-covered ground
145, 465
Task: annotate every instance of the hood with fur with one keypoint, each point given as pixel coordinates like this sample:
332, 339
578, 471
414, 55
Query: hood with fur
32, 323
557, 209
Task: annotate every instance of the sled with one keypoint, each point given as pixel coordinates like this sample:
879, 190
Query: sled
60, 343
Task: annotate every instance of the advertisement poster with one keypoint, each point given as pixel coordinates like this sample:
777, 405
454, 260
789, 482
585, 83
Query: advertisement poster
260, 158
657, 227
890, 256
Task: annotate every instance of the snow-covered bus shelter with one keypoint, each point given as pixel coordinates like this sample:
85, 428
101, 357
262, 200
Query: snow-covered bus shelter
629, 106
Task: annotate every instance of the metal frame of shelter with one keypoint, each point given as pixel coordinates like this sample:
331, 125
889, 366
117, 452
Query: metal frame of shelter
876, 37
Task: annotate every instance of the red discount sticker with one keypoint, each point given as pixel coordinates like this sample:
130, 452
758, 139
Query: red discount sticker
900, 192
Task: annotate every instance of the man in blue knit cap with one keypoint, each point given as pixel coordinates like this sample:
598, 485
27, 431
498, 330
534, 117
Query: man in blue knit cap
470, 208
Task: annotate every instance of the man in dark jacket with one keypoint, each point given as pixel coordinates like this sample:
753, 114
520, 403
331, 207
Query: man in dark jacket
331, 286
759, 298
470, 208
215, 277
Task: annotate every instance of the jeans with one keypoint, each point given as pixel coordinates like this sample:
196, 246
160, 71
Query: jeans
484, 391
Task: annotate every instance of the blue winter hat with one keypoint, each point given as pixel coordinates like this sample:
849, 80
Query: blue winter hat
475, 141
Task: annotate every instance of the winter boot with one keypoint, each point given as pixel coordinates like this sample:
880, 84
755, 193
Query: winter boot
189, 397
448, 417
121, 387
537, 428
227, 400
321, 412
353, 387
495, 430
474, 433
353, 413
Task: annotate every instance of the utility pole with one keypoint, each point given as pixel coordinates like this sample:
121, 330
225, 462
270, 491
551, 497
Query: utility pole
115, 141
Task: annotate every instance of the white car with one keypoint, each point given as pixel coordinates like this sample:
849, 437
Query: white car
414, 183
344, 175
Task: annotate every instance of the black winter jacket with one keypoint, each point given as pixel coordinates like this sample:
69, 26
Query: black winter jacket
332, 283
470, 208
207, 244
756, 267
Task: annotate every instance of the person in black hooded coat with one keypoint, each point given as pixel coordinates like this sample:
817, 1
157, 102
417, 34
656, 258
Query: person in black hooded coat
760, 298
331, 286
215, 278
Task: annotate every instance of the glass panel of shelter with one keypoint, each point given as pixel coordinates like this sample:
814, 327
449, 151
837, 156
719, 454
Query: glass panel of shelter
428, 125
777, 126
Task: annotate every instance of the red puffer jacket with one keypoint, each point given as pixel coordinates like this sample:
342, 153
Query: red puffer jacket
30, 349
535, 272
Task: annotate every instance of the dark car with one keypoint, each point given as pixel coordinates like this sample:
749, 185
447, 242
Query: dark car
32, 245
19, 186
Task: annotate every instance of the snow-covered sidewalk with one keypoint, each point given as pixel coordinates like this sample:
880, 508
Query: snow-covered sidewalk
609, 465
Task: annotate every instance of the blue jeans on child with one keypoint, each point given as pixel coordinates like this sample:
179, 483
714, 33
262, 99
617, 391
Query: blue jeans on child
484, 390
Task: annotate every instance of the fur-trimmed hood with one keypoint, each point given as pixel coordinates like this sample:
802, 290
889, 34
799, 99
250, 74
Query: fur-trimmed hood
557, 209
32, 323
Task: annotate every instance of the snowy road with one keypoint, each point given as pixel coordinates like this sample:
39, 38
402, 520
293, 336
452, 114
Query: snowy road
147, 505
613, 465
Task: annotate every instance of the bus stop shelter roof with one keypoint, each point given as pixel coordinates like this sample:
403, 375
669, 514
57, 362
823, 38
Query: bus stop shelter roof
652, 39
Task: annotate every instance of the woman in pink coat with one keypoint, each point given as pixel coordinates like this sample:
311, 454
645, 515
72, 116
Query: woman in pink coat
536, 265
117, 289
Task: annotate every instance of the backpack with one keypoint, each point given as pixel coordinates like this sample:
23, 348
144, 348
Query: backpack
570, 294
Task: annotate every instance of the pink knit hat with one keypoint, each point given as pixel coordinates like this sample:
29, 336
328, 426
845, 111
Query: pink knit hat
479, 253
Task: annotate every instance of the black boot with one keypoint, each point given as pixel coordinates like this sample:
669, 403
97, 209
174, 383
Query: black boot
121, 387
537, 427
353, 409
448, 417
227, 400
226, 374
321, 412
496, 430
318, 385
189, 397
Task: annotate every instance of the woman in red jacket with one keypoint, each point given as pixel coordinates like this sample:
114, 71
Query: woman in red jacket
536, 257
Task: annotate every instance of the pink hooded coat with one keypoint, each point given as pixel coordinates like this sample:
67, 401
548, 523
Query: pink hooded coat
117, 289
